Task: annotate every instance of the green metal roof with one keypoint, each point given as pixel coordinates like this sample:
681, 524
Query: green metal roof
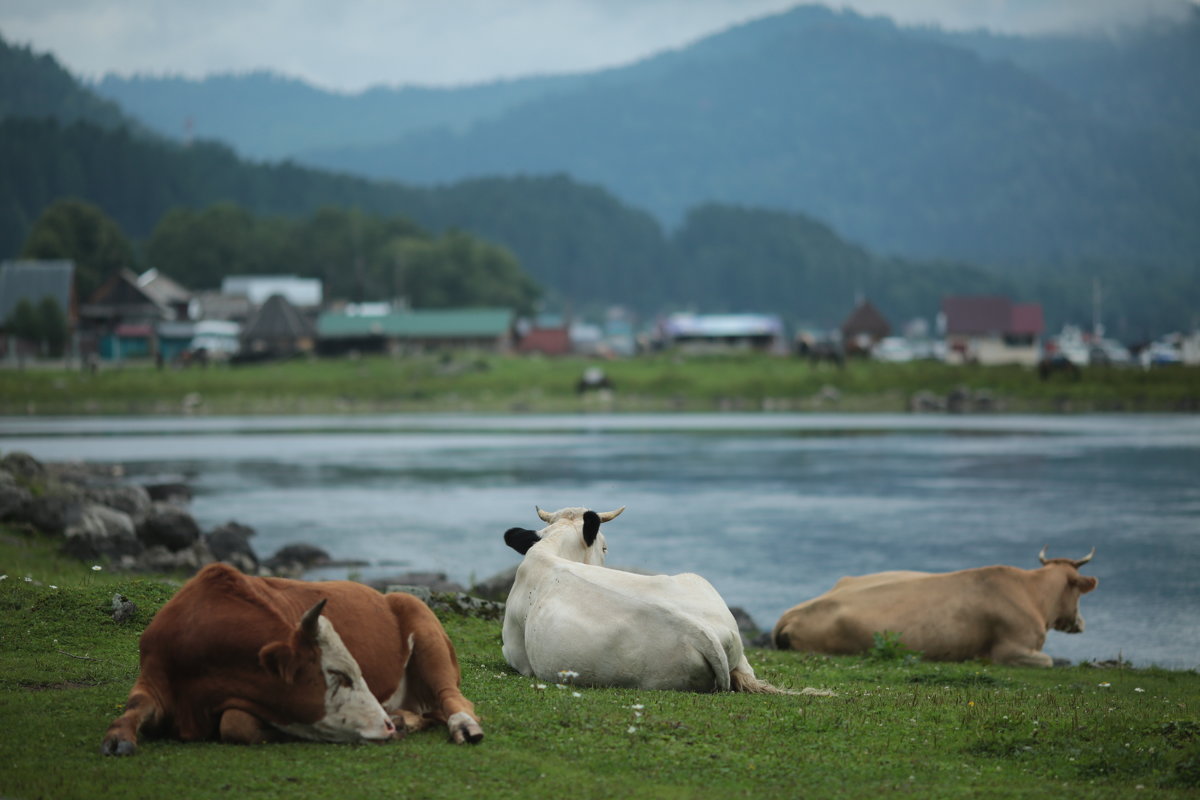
450, 323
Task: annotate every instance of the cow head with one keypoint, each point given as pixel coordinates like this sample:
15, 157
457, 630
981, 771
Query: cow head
323, 685
1065, 614
572, 533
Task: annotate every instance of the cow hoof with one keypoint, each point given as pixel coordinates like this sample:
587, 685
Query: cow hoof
464, 729
117, 747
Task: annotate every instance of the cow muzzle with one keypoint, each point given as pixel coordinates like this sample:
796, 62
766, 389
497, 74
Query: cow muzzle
1069, 625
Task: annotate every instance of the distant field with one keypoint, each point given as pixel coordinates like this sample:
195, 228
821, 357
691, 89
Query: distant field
927, 730
663, 382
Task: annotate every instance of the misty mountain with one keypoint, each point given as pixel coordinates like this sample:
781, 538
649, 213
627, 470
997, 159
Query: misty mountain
269, 116
1003, 150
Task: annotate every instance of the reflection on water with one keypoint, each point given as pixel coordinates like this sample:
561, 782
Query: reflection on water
771, 508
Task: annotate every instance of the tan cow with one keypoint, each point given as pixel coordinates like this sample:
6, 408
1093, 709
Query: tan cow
249, 660
999, 612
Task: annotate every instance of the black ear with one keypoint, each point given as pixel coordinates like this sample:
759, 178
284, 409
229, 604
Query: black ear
521, 539
591, 527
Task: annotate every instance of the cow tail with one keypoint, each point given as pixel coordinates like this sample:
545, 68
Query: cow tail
743, 679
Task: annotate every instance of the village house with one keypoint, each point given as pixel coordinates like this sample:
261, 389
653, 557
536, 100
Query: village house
863, 329
991, 329
699, 333
374, 328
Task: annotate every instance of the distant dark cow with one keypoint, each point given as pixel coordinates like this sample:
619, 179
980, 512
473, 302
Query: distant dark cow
249, 660
1002, 613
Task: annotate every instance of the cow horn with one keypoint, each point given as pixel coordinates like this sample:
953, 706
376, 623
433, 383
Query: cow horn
609, 516
545, 515
1042, 555
308, 623
1085, 559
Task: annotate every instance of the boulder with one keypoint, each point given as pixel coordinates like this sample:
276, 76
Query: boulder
101, 533
498, 586
178, 493
133, 500
231, 543
161, 559
169, 526
294, 559
13, 496
23, 467
53, 510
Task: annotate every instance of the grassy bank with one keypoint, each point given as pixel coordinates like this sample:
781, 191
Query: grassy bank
926, 730
653, 383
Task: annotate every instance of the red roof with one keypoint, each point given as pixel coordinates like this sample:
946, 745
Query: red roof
1027, 319
551, 341
991, 314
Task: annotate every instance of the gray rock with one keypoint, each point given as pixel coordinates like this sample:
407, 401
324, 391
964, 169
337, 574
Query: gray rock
123, 608
54, 510
294, 559
231, 543
161, 559
23, 466
178, 493
101, 532
133, 500
498, 586
169, 526
13, 496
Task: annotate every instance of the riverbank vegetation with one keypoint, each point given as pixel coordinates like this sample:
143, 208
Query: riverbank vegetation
895, 724
662, 382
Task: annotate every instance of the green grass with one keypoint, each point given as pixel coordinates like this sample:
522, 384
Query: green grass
664, 382
924, 730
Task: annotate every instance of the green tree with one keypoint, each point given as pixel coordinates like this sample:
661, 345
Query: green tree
24, 324
52, 325
81, 232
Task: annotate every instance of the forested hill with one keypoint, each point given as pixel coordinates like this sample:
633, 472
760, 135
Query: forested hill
583, 246
905, 144
1002, 150
33, 85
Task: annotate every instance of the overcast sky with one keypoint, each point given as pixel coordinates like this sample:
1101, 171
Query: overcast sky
352, 44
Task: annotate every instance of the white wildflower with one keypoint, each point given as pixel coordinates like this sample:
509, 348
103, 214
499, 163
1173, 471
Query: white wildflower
1138, 689
637, 707
3, 577
96, 567
576, 694
631, 729
559, 686
52, 586
567, 674
1104, 684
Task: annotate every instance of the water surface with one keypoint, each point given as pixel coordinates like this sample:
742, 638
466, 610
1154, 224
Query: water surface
771, 508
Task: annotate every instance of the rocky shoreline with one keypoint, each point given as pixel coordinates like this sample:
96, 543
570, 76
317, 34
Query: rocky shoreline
97, 516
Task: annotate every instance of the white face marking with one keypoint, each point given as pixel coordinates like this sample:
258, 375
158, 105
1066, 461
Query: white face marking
351, 711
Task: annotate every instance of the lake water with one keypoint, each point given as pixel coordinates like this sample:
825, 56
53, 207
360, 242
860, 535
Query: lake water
771, 508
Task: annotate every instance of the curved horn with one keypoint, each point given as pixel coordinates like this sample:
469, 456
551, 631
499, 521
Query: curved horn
1085, 559
1042, 555
609, 516
545, 515
308, 623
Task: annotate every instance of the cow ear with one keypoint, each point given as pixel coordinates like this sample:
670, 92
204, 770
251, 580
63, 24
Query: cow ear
521, 539
1086, 583
278, 658
591, 527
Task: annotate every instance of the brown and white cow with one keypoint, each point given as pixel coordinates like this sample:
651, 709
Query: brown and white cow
998, 612
248, 660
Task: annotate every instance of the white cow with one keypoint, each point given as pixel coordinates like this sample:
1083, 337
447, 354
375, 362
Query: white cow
567, 613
